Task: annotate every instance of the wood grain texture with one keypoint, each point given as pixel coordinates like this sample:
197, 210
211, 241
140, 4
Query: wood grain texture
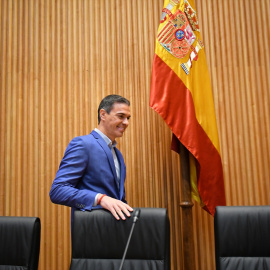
58, 59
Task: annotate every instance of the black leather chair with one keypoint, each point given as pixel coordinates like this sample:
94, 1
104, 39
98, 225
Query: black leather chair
19, 243
99, 241
242, 237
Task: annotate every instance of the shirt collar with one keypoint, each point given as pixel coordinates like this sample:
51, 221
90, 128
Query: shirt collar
106, 139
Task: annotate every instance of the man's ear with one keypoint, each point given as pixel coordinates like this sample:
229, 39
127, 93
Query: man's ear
102, 114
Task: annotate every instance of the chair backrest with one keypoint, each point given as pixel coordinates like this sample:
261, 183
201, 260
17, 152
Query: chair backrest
242, 237
19, 243
99, 240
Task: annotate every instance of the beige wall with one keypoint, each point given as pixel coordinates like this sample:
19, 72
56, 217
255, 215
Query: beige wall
59, 58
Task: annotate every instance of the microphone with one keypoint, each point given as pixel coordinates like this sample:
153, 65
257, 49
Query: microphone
135, 218
137, 215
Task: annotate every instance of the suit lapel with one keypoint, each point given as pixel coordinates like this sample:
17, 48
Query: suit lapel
108, 152
122, 170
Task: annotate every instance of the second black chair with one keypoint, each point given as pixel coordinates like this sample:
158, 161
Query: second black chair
99, 240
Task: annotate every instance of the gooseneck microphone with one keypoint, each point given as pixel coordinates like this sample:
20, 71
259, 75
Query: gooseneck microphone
137, 215
135, 218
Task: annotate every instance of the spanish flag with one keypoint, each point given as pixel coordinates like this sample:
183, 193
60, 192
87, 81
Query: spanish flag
181, 93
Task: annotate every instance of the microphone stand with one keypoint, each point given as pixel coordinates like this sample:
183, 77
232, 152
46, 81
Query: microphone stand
136, 217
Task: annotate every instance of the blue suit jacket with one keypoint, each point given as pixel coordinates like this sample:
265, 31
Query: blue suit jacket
86, 169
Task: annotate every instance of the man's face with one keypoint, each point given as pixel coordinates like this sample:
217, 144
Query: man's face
115, 123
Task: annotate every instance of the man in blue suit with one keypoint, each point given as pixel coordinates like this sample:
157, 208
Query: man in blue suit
92, 172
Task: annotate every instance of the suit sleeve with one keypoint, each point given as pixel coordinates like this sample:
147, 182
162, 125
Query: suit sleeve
70, 172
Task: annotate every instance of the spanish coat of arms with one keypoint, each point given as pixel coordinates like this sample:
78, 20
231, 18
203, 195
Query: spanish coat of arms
177, 35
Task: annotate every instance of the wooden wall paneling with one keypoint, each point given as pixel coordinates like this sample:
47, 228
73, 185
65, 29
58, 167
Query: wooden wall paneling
59, 58
2, 109
3, 48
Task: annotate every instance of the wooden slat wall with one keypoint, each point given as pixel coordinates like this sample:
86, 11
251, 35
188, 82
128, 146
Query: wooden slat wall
59, 58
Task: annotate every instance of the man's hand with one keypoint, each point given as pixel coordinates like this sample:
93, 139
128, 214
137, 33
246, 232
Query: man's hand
116, 207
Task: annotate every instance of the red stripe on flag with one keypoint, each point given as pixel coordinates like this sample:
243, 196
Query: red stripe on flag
173, 101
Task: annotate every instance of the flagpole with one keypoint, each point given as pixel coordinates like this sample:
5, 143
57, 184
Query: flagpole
186, 205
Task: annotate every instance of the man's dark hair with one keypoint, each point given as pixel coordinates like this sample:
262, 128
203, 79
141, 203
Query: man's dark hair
108, 102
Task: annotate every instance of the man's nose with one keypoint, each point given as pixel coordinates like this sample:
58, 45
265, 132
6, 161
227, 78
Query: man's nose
126, 122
